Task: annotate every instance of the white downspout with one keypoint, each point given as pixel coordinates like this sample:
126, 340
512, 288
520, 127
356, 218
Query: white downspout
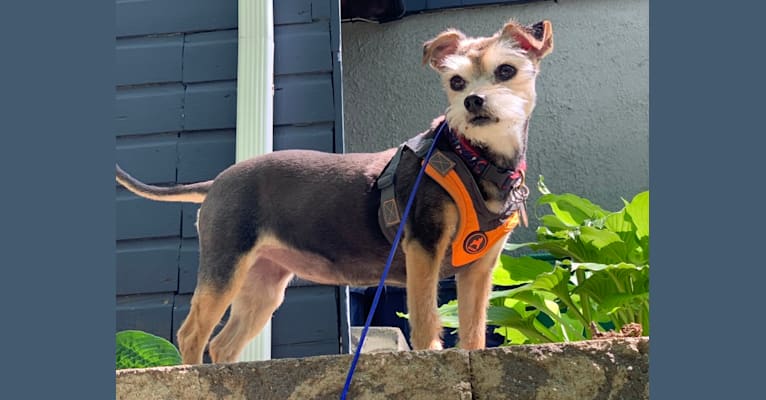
255, 105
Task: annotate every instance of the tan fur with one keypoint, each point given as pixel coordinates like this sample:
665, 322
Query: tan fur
473, 288
422, 285
208, 306
260, 295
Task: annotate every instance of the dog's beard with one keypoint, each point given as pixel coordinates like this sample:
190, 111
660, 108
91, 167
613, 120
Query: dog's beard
504, 133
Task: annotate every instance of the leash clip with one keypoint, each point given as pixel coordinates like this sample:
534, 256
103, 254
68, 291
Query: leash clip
519, 194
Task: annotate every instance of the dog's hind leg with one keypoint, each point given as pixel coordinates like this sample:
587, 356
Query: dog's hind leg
474, 283
208, 304
261, 294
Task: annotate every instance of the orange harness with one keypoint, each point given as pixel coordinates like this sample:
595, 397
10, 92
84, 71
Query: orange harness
479, 229
471, 243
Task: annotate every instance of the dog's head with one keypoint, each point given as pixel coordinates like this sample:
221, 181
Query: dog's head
490, 82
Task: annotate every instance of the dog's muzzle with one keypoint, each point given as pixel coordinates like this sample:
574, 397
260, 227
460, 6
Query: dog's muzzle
475, 106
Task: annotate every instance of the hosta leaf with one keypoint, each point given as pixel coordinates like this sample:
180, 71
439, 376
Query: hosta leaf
599, 238
622, 286
600, 267
555, 223
573, 249
552, 333
509, 317
512, 336
516, 246
573, 326
539, 301
619, 222
555, 282
571, 209
518, 270
447, 313
137, 349
638, 209
541, 185
544, 302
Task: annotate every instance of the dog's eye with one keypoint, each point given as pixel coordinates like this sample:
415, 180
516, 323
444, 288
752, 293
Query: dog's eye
457, 83
505, 72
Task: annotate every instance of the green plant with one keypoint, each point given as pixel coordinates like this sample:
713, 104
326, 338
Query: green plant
600, 276
138, 349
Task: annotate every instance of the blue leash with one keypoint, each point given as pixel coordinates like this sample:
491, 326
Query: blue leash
390, 259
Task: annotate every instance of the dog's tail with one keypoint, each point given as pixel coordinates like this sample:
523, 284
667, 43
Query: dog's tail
192, 193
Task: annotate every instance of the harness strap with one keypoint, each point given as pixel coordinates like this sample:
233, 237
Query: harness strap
388, 213
472, 242
478, 230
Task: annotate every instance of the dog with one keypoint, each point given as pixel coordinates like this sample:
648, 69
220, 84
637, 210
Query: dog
320, 216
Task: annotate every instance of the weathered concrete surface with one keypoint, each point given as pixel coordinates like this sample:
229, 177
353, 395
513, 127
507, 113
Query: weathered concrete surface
599, 369
379, 338
604, 369
400, 375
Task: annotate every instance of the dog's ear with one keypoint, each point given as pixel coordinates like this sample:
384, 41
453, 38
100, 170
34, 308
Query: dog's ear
438, 48
536, 39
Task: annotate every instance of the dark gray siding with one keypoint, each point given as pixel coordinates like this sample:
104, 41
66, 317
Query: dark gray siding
176, 64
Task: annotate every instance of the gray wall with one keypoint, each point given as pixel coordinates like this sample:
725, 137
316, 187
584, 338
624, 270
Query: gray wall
590, 131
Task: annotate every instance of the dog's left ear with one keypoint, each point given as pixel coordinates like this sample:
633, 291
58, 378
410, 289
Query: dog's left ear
536, 39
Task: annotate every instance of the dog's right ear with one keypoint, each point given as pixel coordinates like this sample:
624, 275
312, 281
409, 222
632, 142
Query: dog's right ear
438, 48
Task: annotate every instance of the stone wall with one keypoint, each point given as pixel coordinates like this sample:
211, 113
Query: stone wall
600, 369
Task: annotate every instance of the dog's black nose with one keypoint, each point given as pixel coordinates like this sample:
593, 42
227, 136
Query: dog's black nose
474, 103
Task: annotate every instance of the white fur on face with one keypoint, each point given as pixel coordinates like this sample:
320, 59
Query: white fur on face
510, 102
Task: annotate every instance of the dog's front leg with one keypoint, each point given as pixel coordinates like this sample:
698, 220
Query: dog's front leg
423, 264
474, 283
422, 285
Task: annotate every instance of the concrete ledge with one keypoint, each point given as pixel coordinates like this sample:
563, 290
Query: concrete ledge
602, 369
379, 339
597, 369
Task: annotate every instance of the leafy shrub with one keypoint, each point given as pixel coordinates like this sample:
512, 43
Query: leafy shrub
138, 349
599, 278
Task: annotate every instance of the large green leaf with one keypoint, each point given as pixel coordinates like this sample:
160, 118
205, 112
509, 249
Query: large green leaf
137, 349
572, 210
598, 238
555, 224
574, 249
447, 313
512, 335
513, 271
638, 209
555, 282
509, 317
516, 246
617, 290
563, 327
619, 222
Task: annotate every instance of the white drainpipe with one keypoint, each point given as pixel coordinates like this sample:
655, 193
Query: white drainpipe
255, 105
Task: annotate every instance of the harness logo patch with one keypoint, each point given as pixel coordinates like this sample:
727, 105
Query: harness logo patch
475, 242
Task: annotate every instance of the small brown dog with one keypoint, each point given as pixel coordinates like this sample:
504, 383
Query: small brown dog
318, 216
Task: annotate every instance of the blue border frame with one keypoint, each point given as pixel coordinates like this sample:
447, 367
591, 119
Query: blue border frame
57, 167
